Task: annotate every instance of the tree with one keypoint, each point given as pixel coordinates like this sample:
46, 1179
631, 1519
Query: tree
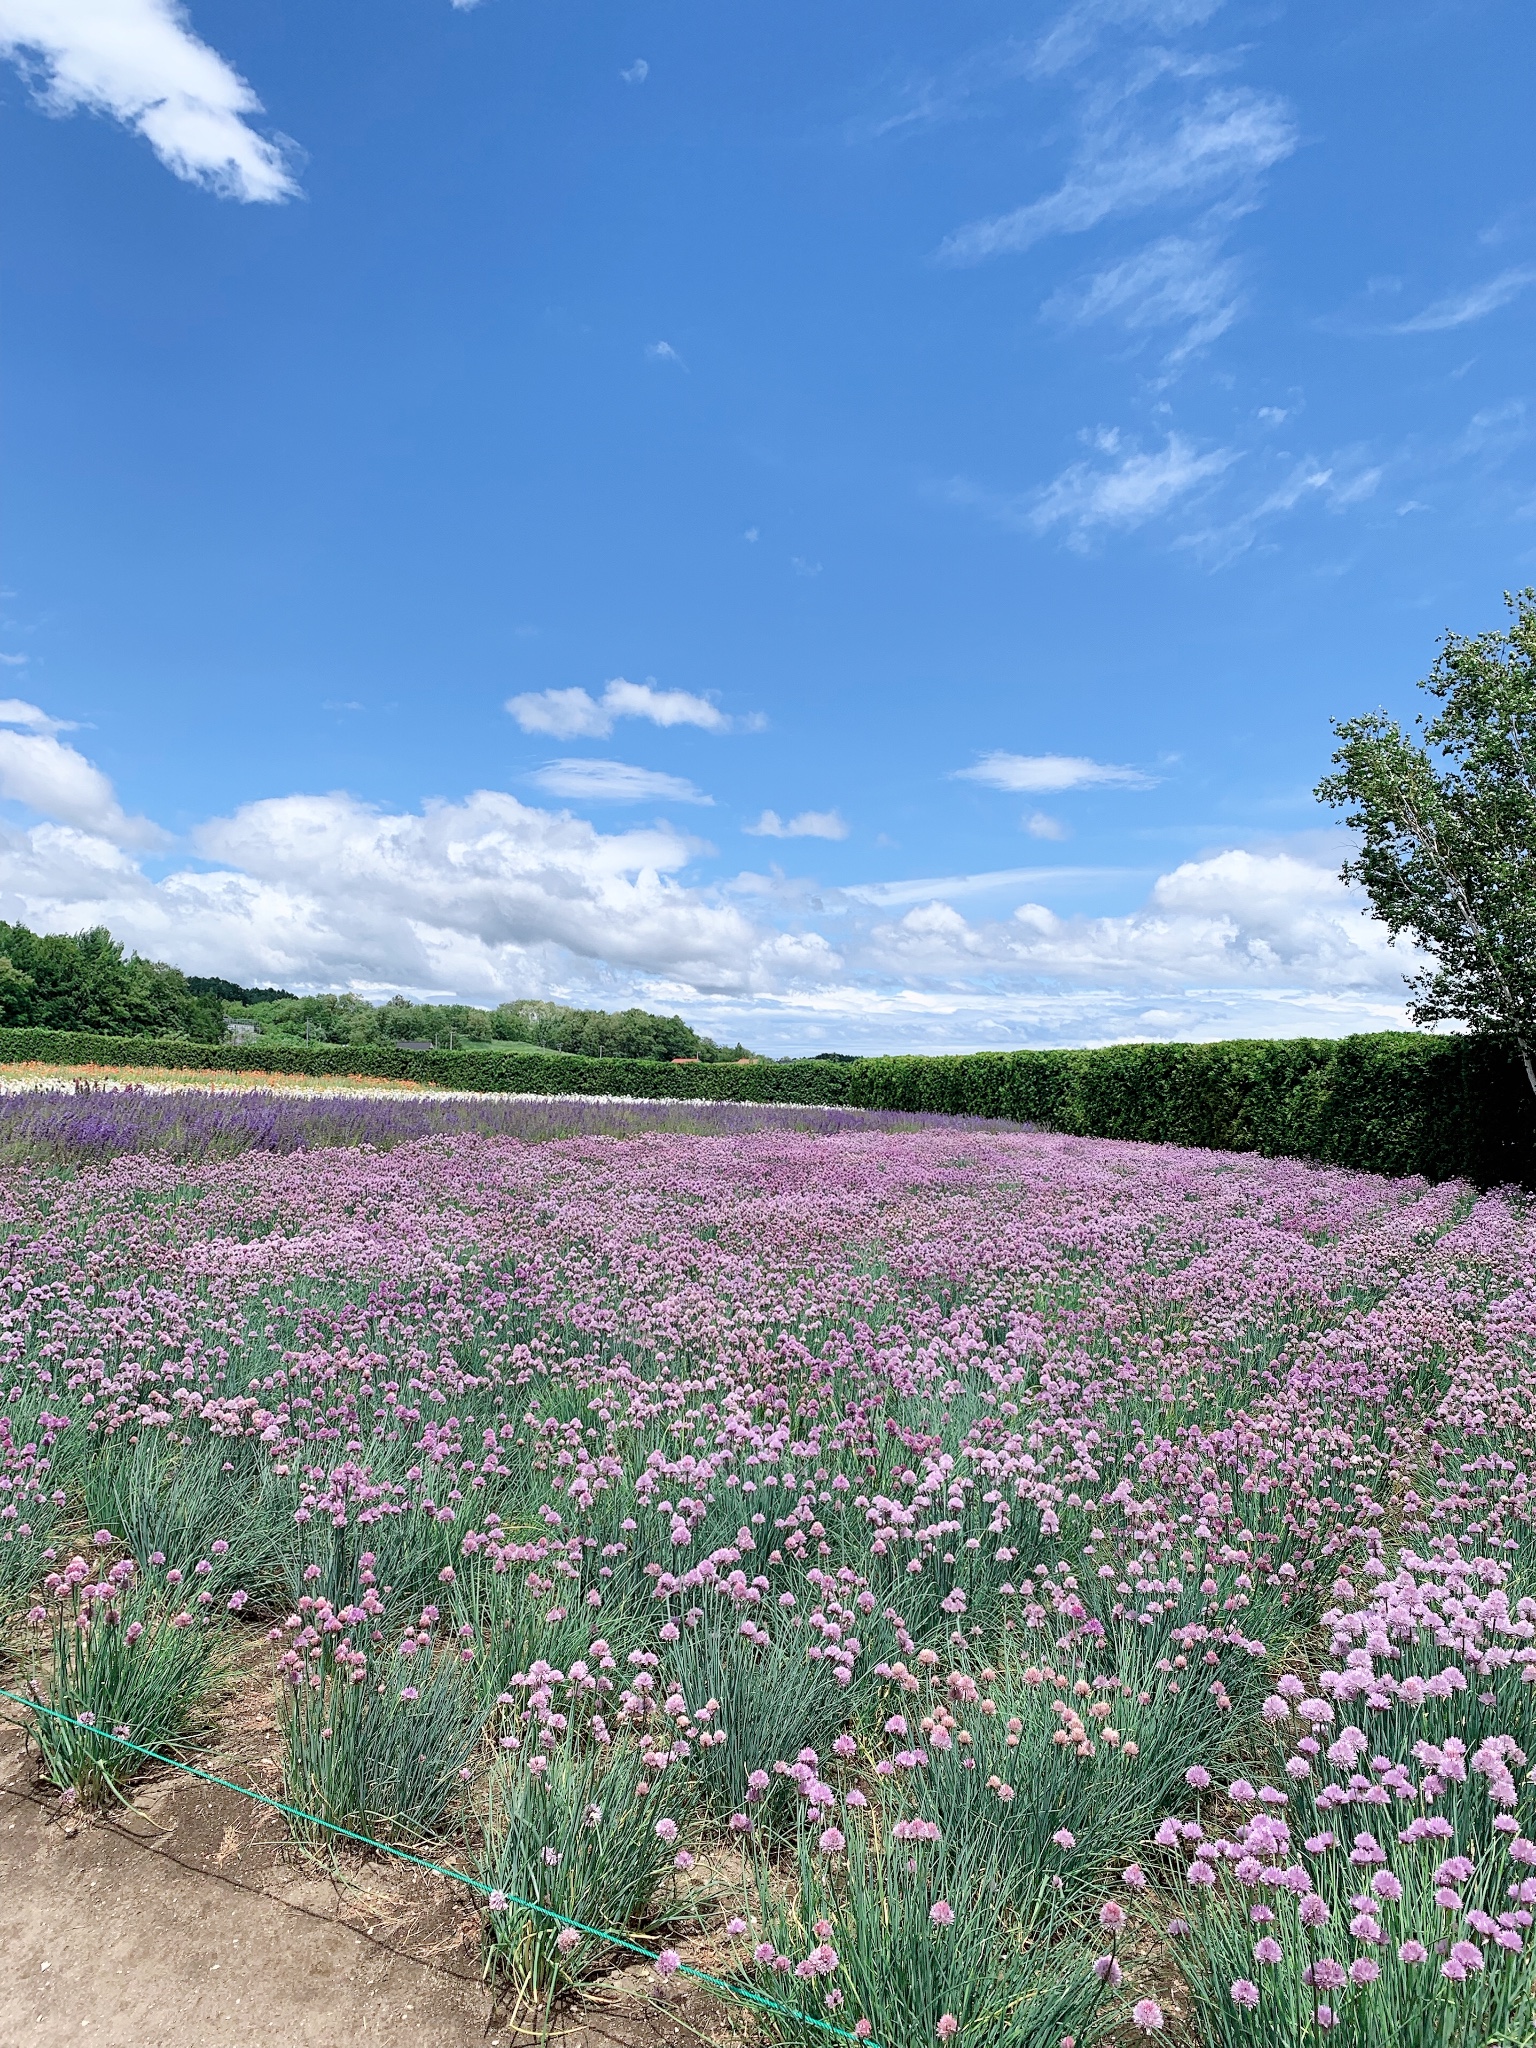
1448, 830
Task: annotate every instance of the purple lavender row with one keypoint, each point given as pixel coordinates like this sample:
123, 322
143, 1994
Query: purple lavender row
92, 1124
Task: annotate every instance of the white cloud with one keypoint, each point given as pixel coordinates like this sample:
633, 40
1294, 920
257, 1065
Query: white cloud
139, 62
1227, 141
1345, 480
16, 711
615, 782
1271, 926
1178, 281
1041, 825
488, 898
1077, 32
1085, 496
950, 888
572, 714
1463, 308
636, 73
1038, 773
45, 775
664, 352
805, 825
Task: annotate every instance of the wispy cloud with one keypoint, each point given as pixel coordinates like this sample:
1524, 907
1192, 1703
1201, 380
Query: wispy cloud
636, 73
138, 62
804, 825
1346, 479
615, 782
958, 91
1463, 308
573, 714
664, 352
1142, 485
1226, 141
950, 888
1039, 773
16, 711
1077, 32
1178, 281
1041, 825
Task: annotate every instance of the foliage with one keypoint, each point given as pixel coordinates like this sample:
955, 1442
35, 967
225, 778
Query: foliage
1448, 825
579, 1829
554, 1027
128, 1658
377, 1740
59, 982
1390, 1102
908, 1935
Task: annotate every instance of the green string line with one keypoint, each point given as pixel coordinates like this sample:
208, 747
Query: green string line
437, 1869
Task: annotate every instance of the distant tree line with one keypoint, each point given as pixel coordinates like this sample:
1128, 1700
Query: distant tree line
552, 1027
86, 982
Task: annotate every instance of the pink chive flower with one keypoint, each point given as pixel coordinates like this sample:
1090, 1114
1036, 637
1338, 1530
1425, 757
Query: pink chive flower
942, 1913
1064, 1839
666, 1830
1111, 1916
1148, 2015
567, 1939
1267, 1950
948, 2027
1108, 1971
1245, 1992
735, 1927
1412, 1952
1362, 1971
667, 1963
831, 1841
1197, 1779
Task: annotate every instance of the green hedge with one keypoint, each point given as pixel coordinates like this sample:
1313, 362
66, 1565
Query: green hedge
532, 1073
1392, 1102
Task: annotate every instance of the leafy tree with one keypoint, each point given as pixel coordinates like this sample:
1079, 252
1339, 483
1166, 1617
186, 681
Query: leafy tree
1448, 830
59, 981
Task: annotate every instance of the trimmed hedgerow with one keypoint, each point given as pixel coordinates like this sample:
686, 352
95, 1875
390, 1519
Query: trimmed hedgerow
1387, 1102
1393, 1102
554, 1073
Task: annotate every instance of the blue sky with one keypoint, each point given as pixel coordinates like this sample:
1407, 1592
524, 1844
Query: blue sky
847, 522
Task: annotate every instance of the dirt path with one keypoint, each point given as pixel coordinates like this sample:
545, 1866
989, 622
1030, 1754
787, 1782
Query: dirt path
190, 1923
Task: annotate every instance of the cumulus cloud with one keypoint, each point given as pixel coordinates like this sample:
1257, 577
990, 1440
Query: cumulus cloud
1038, 773
488, 898
1233, 916
1223, 143
45, 775
573, 714
1041, 825
805, 825
615, 782
636, 73
138, 62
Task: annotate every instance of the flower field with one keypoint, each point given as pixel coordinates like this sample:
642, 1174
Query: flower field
950, 1584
